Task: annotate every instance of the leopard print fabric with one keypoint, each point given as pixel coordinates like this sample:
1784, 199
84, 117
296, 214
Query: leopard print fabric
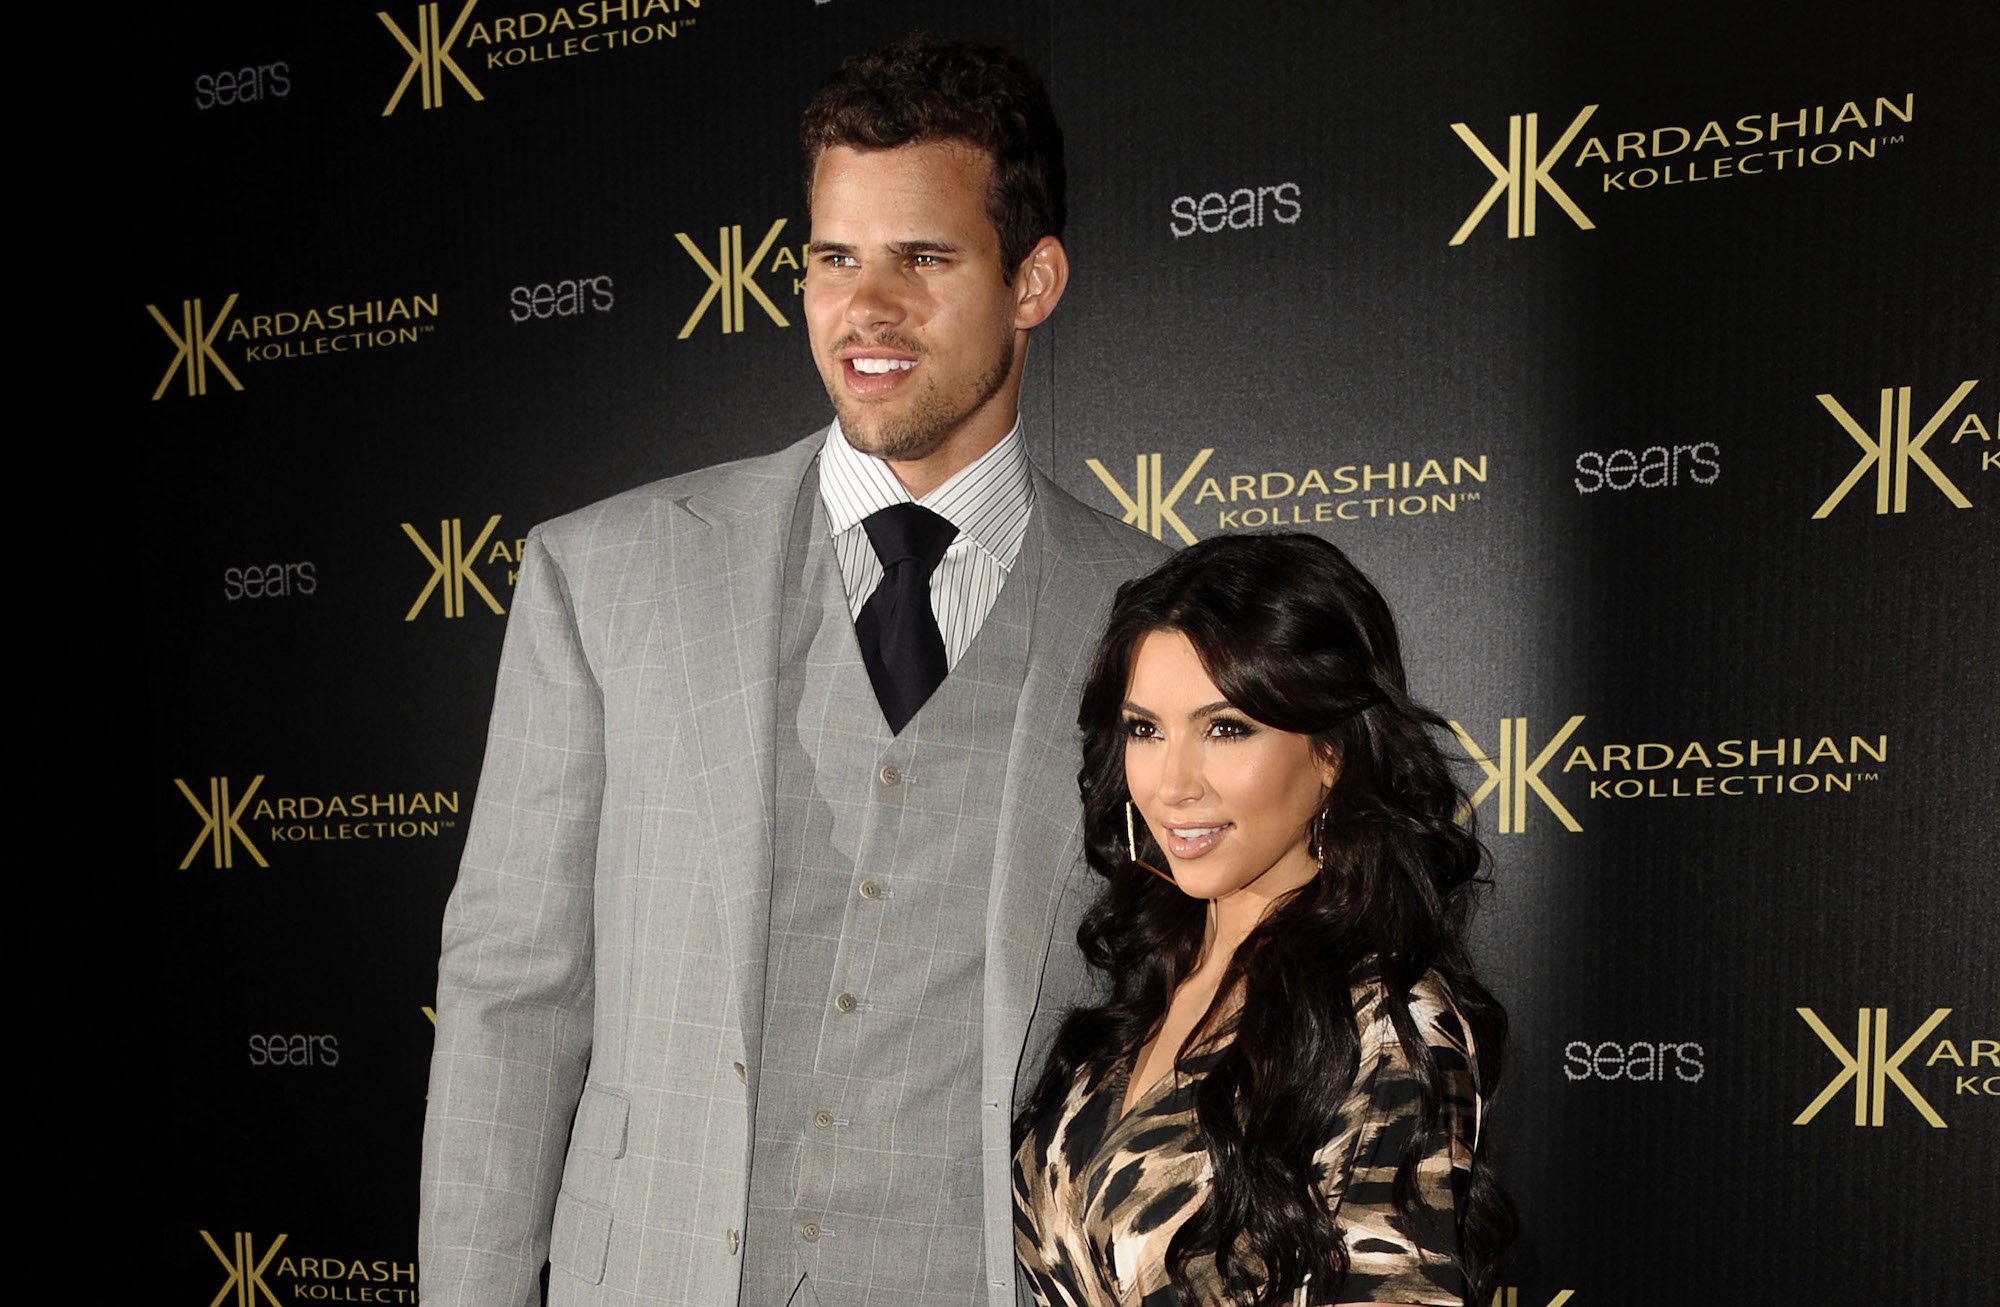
1097, 1197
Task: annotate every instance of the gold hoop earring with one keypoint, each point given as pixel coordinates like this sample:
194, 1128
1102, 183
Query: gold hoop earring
1132, 848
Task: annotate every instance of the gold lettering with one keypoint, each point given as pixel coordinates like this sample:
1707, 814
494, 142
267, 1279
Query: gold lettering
1944, 1052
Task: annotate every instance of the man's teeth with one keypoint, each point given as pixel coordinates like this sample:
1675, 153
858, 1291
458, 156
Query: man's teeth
1193, 832
876, 367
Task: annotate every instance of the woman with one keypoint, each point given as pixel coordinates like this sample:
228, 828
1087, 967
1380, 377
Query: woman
1279, 1103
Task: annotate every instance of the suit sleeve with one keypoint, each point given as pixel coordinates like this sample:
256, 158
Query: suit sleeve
515, 988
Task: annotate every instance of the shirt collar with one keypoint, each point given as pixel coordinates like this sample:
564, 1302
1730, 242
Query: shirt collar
987, 500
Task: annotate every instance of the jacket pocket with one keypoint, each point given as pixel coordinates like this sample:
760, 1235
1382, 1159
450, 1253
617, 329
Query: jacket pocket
601, 1117
579, 1237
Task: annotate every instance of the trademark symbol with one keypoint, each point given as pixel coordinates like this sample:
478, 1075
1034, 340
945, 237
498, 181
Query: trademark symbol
1890, 140
1468, 496
427, 327
1871, 776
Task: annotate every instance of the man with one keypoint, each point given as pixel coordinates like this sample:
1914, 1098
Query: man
770, 893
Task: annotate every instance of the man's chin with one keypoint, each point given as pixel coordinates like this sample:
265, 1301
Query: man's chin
893, 441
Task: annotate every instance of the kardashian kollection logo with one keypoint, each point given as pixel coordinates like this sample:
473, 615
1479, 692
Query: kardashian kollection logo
1542, 168
446, 46
1161, 498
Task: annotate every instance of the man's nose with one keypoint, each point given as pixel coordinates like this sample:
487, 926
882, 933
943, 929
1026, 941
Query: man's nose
877, 299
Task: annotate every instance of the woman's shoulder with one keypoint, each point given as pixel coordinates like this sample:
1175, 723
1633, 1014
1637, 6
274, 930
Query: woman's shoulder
1433, 1012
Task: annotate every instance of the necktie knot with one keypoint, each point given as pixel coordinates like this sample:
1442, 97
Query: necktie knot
903, 533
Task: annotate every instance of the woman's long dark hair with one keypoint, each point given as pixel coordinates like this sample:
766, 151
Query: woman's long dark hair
1295, 636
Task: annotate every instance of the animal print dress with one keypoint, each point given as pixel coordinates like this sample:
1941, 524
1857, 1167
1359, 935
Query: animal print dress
1097, 1197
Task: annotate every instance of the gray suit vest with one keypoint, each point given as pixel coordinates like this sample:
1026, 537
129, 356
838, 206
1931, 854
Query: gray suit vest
866, 1179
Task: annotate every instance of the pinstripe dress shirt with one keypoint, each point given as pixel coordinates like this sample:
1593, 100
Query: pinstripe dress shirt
988, 501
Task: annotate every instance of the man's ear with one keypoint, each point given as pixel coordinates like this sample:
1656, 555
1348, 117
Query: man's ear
1039, 283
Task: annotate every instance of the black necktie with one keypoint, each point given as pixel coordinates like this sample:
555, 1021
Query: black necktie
898, 632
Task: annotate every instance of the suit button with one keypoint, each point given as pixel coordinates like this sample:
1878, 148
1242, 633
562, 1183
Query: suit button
891, 774
741, 1073
733, 1240
847, 1002
871, 889
823, 1119
809, 1232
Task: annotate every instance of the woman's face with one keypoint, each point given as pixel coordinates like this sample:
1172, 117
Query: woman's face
1228, 798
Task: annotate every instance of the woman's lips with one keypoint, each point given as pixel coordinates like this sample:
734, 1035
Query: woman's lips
1191, 841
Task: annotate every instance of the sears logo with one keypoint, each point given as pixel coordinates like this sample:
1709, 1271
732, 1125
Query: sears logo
1655, 467
1240, 209
268, 581
1643, 1060
568, 298
294, 1050
245, 85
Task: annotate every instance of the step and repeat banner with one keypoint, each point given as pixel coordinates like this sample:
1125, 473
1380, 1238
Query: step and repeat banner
1652, 366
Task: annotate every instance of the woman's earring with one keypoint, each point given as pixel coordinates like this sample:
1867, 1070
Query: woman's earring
1316, 837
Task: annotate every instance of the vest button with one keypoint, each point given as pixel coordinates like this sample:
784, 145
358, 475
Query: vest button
809, 1232
732, 1240
741, 1073
871, 889
823, 1119
847, 1002
890, 773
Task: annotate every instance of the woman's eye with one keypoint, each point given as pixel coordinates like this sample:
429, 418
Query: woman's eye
1139, 729
1229, 728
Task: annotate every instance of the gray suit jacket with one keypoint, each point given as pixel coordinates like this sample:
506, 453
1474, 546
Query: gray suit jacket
601, 987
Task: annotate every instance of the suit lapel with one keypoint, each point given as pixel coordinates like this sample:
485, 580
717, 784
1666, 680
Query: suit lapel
726, 555
1040, 840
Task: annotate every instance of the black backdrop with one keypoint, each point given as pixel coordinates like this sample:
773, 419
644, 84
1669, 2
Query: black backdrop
1737, 725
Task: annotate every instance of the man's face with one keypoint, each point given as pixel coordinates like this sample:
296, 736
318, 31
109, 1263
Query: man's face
916, 334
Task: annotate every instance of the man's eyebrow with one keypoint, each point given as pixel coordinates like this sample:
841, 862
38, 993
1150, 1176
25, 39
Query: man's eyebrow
901, 249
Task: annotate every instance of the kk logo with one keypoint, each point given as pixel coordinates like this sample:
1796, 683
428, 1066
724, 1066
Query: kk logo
194, 347
1524, 176
221, 823
1892, 449
245, 1286
451, 567
430, 56
731, 277
1871, 1066
1513, 774
1146, 507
